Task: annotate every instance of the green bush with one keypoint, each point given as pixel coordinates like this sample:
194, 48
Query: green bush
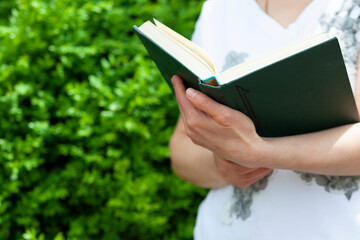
85, 123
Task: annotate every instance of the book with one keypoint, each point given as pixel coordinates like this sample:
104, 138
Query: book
296, 89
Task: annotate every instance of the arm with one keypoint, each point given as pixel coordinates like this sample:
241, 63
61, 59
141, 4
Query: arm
334, 152
202, 167
205, 169
193, 163
231, 135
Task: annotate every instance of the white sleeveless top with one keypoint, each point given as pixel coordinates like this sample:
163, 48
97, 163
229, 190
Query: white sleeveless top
288, 205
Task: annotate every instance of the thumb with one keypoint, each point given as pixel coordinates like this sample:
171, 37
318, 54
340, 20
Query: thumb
222, 114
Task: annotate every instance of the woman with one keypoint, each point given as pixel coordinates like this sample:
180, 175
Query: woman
297, 187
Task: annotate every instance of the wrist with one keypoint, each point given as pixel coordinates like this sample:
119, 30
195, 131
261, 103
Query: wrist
268, 154
280, 153
220, 178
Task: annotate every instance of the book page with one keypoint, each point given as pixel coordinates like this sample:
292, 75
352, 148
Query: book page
187, 43
269, 58
177, 50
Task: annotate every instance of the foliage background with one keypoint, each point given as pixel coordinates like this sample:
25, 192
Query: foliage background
85, 123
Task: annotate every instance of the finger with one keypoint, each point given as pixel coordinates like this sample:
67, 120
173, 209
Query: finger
257, 174
225, 165
185, 106
195, 121
238, 168
234, 165
241, 175
252, 176
242, 182
220, 113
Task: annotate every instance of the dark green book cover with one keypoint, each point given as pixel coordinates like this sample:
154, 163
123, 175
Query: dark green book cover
305, 92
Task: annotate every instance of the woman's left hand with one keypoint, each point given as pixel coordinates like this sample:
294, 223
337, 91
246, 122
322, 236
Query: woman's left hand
227, 132
238, 175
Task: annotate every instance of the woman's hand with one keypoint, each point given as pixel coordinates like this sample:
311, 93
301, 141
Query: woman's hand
232, 136
238, 175
226, 132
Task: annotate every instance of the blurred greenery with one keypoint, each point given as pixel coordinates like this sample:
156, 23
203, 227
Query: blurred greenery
85, 123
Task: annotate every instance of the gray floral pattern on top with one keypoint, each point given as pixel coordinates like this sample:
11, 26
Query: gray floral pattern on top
347, 185
234, 58
344, 22
244, 198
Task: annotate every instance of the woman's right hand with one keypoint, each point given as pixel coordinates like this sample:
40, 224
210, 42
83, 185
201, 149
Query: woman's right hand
238, 175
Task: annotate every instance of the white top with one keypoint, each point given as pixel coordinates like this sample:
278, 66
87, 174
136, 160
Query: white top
289, 207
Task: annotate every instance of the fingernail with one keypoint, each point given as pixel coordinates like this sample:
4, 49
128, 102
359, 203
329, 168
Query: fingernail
190, 92
172, 80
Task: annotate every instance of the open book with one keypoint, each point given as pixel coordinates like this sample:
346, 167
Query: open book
299, 88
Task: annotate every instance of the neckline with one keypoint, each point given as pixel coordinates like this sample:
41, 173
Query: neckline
281, 27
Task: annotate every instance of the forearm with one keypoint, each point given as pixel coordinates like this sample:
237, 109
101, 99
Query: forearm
193, 163
331, 152
231, 135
